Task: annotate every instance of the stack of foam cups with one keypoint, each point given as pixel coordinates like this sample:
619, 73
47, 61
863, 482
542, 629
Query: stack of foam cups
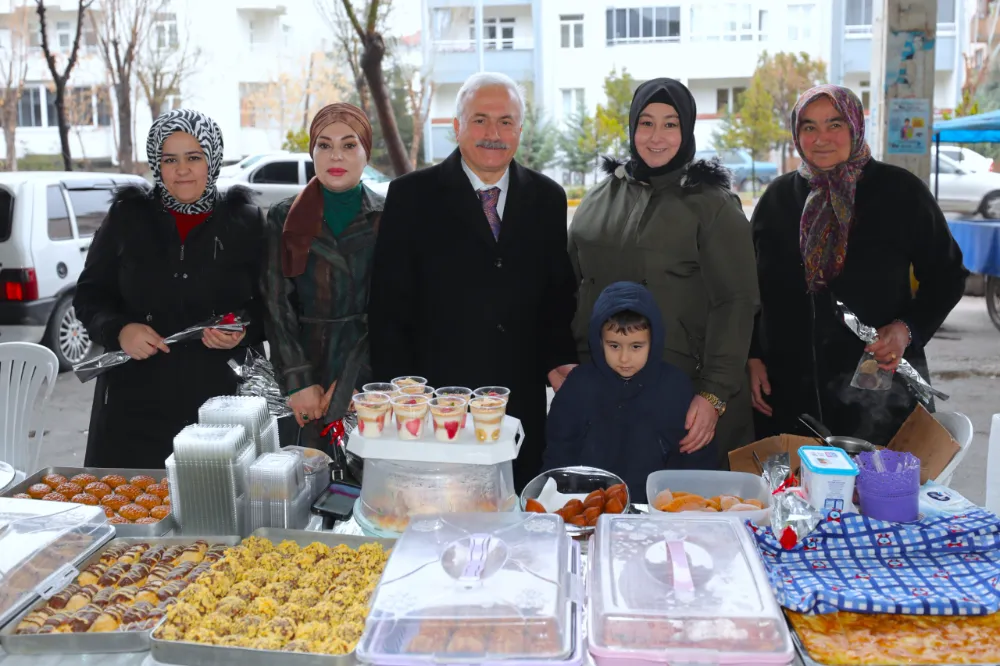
889, 485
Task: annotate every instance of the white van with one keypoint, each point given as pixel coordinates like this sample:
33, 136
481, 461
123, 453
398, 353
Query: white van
47, 220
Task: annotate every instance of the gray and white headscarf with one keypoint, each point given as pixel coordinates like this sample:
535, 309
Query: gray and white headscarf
208, 134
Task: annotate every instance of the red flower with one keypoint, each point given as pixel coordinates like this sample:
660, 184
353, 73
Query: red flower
229, 319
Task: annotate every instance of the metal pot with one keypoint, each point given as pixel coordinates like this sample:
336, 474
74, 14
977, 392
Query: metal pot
852, 445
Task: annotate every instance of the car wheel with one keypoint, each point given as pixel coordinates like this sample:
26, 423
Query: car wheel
67, 336
993, 299
990, 208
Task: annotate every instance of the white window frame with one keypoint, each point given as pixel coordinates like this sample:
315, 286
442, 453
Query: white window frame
716, 22
571, 26
800, 21
571, 99
165, 32
860, 30
644, 24
64, 32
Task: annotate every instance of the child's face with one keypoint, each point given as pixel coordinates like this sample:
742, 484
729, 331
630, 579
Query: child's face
625, 352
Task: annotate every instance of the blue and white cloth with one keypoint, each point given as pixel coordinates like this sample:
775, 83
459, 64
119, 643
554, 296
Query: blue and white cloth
939, 565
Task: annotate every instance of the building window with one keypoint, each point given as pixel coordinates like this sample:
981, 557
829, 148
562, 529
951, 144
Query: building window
572, 101
727, 100
858, 14
104, 112
51, 115
64, 36
497, 33
58, 215
643, 25
571, 31
729, 21
165, 30
80, 106
35, 36
946, 11
866, 94
29, 107
800, 22
763, 24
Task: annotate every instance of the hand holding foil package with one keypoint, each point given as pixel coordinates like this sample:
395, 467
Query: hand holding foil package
257, 379
870, 376
229, 323
792, 517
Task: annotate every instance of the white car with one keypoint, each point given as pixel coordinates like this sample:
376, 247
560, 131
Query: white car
233, 170
47, 221
277, 176
967, 192
966, 158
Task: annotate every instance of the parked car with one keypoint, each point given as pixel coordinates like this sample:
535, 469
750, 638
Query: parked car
233, 170
47, 221
966, 158
966, 192
277, 176
744, 169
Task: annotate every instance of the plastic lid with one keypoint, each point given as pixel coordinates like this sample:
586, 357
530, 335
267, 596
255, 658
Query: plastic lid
39, 544
667, 590
474, 588
827, 460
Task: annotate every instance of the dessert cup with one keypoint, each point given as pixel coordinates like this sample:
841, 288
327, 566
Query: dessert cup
487, 417
372, 409
412, 380
501, 392
448, 416
411, 414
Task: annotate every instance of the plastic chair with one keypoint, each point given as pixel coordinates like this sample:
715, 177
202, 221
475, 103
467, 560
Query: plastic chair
993, 467
960, 428
27, 377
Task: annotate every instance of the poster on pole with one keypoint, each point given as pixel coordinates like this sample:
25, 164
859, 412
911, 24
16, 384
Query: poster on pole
909, 125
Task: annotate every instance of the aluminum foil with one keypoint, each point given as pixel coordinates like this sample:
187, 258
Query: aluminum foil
257, 379
920, 387
792, 517
229, 323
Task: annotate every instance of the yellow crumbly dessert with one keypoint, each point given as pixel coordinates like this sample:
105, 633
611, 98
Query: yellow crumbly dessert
280, 597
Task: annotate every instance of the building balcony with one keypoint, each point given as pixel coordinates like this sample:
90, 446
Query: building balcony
455, 60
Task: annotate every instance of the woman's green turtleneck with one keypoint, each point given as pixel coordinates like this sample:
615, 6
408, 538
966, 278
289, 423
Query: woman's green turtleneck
340, 209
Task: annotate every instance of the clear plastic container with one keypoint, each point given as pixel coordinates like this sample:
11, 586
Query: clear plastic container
39, 543
709, 484
475, 589
394, 491
664, 590
248, 411
211, 463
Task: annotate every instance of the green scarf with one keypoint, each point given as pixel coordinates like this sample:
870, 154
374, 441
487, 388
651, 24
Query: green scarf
340, 209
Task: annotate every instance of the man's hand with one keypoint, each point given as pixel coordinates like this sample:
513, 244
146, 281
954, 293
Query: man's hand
759, 386
140, 342
559, 375
700, 424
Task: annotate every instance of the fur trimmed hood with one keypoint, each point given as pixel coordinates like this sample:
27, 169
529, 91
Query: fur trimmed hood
233, 197
710, 173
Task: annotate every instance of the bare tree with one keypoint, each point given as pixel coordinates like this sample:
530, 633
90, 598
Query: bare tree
164, 64
13, 72
80, 116
420, 91
59, 79
120, 28
346, 39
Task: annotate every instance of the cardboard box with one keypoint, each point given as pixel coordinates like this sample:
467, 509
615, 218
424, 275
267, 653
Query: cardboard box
920, 435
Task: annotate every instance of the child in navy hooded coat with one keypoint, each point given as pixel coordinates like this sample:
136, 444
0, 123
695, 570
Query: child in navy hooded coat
625, 411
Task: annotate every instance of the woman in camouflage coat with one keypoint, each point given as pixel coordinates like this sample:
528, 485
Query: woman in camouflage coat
317, 273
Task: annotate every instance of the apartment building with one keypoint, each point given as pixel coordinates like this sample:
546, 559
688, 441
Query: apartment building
245, 46
561, 50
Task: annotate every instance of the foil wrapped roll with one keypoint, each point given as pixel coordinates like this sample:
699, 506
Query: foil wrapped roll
257, 379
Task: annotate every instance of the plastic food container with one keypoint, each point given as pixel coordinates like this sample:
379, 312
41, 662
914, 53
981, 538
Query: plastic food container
477, 589
669, 591
393, 492
828, 477
710, 483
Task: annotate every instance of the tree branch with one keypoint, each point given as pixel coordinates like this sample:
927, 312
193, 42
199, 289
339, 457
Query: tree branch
352, 17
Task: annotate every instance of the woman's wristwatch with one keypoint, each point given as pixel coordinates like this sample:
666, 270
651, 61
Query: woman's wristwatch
716, 402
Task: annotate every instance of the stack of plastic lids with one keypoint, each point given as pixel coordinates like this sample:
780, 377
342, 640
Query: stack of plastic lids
279, 494
175, 497
210, 464
681, 591
247, 411
40, 542
269, 436
485, 588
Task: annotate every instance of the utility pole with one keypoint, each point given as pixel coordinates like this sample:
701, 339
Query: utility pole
903, 37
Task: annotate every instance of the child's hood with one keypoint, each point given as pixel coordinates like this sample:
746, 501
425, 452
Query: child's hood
619, 297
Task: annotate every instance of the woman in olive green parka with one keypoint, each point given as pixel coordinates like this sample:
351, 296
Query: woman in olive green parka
675, 226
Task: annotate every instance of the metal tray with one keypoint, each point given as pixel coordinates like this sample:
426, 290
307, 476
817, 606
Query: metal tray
120, 641
125, 531
807, 660
183, 653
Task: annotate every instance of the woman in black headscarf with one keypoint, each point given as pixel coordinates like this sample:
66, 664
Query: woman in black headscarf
164, 260
674, 225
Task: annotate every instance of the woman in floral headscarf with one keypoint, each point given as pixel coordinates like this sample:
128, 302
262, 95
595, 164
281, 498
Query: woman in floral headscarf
844, 227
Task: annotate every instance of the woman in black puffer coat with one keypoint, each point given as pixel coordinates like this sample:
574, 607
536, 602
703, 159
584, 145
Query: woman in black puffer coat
162, 261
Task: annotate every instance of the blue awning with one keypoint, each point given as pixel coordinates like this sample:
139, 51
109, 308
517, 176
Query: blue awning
980, 128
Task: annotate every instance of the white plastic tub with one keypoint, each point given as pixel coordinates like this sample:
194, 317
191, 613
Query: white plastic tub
709, 483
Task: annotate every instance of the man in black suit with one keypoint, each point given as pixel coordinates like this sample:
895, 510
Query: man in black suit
472, 284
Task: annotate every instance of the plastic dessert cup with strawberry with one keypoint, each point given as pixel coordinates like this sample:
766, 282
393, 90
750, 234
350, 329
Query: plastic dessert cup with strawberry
409, 381
448, 415
459, 391
487, 417
379, 387
417, 389
372, 409
501, 392
411, 414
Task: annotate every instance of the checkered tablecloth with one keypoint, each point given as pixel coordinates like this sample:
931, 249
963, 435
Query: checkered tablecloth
946, 565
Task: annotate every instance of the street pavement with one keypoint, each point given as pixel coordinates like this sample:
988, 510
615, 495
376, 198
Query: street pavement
964, 359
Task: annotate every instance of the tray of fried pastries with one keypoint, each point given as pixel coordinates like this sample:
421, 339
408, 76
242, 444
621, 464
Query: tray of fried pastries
117, 596
302, 594
136, 501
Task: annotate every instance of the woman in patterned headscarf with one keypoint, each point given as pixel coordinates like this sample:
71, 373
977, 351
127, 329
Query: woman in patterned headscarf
844, 227
165, 259
320, 245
